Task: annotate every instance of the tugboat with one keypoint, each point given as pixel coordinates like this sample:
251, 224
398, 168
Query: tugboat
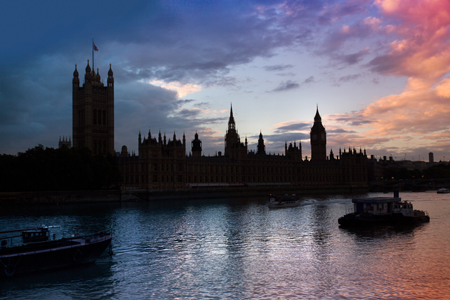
38, 249
383, 211
278, 201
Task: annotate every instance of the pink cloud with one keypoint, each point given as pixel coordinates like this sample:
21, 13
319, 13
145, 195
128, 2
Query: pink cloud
414, 112
422, 28
418, 47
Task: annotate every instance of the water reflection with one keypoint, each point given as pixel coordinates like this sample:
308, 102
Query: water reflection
238, 248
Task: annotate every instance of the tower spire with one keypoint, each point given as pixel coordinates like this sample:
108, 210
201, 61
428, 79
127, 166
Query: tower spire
231, 123
317, 117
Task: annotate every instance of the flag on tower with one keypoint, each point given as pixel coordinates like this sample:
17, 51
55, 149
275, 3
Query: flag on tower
94, 47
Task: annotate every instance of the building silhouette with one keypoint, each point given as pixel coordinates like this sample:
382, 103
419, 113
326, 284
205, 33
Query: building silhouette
64, 142
163, 164
93, 112
318, 138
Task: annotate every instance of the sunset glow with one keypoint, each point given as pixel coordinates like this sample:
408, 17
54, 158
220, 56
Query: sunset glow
377, 70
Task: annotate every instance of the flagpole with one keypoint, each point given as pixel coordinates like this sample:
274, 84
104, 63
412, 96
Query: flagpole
93, 55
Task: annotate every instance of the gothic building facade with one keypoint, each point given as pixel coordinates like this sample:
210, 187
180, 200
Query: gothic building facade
163, 164
93, 112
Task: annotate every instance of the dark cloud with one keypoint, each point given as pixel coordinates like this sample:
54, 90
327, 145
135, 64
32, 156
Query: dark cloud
36, 105
189, 113
289, 84
353, 58
310, 79
202, 105
360, 122
352, 119
387, 64
339, 131
349, 78
286, 85
351, 8
201, 41
289, 74
185, 101
294, 127
278, 67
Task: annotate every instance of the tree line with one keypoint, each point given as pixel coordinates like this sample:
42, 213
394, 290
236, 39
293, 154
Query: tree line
436, 171
63, 169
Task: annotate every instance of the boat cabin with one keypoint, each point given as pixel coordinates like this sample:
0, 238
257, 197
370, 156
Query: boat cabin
382, 206
35, 235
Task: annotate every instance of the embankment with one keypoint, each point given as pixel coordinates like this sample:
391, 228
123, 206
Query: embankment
107, 196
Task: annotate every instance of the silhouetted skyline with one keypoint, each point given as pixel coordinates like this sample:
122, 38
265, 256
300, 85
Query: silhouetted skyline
376, 69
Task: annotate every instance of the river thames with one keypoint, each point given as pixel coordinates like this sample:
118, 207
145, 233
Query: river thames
241, 249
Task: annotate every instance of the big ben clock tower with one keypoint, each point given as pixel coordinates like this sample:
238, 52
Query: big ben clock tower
318, 137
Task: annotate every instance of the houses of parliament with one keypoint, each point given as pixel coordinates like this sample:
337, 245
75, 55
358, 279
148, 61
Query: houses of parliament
162, 163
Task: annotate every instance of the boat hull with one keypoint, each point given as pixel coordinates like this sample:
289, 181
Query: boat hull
367, 220
281, 201
52, 255
443, 191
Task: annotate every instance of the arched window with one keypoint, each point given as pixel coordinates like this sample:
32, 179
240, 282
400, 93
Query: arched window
99, 117
95, 116
104, 117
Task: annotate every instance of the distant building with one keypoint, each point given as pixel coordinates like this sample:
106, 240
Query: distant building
163, 164
93, 112
64, 142
431, 157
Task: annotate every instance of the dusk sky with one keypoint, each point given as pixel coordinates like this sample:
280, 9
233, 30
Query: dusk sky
377, 70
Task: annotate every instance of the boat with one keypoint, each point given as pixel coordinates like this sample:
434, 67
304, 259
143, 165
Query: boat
43, 248
280, 201
443, 191
383, 211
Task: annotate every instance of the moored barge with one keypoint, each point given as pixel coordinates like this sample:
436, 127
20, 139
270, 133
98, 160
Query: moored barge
38, 249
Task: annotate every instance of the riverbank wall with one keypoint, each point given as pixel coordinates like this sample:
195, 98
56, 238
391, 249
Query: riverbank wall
58, 197
134, 195
238, 192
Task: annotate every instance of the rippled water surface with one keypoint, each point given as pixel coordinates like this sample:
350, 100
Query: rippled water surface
241, 249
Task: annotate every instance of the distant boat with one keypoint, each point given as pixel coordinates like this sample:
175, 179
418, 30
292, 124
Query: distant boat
38, 249
443, 191
280, 201
383, 211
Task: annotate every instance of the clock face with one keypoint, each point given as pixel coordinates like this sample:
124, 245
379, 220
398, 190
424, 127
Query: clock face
323, 137
314, 137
